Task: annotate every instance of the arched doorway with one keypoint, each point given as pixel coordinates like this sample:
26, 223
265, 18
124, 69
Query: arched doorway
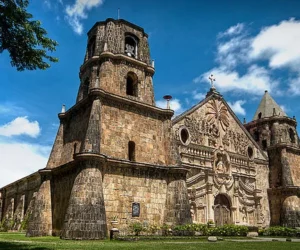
222, 210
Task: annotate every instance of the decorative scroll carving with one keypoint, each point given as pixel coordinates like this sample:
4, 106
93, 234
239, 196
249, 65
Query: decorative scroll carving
199, 129
239, 141
195, 129
217, 114
249, 187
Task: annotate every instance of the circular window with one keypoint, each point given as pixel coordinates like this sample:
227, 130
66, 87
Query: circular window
184, 136
250, 152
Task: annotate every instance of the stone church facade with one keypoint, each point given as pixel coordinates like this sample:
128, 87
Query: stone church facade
118, 155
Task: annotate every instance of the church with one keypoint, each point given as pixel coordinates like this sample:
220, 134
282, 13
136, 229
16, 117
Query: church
117, 156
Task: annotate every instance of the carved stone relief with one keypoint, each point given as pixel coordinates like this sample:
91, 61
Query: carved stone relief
239, 141
217, 114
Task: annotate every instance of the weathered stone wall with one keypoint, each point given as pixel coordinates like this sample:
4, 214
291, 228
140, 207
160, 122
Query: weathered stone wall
274, 130
19, 213
290, 215
40, 220
1, 205
293, 163
16, 198
126, 185
263, 214
85, 217
61, 186
178, 209
113, 33
70, 137
113, 76
121, 124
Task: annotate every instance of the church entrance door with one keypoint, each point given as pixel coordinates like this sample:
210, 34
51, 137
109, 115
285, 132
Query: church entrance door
222, 210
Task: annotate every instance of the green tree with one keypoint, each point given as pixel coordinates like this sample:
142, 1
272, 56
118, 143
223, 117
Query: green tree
24, 38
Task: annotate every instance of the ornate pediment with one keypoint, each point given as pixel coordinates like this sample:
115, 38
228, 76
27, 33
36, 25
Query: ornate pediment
213, 124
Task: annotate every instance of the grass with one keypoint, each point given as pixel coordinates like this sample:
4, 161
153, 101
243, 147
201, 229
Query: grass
18, 241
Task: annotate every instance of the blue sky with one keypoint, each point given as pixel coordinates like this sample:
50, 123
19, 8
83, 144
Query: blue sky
249, 46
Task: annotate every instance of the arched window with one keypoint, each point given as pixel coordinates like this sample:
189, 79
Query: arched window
259, 115
132, 84
85, 88
256, 135
131, 151
91, 47
131, 45
264, 144
292, 135
75, 147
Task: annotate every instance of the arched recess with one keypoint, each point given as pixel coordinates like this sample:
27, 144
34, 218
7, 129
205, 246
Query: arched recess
131, 45
222, 210
131, 84
91, 47
131, 151
290, 213
194, 212
292, 135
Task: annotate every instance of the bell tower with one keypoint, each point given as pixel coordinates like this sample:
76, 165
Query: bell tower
276, 134
114, 147
117, 61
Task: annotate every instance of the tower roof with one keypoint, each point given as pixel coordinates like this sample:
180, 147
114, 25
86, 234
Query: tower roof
268, 107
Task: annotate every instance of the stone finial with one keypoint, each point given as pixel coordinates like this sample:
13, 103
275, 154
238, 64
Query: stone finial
244, 121
168, 98
63, 108
105, 46
97, 82
152, 63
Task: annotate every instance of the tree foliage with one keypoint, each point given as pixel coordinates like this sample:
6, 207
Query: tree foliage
24, 38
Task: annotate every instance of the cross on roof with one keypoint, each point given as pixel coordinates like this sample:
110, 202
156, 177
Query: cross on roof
212, 80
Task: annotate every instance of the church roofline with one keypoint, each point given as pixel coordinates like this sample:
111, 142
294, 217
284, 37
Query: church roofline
24, 179
118, 21
268, 107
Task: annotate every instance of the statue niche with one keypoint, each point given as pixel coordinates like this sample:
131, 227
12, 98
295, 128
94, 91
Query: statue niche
222, 169
221, 164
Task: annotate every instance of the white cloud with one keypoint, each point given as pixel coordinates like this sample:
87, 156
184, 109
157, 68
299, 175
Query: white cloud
279, 44
47, 4
174, 105
19, 126
284, 108
233, 30
10, 108
233, 51
237, 107
255, 81
198, 95
237, 49
76, 12
18, 160
294, 86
